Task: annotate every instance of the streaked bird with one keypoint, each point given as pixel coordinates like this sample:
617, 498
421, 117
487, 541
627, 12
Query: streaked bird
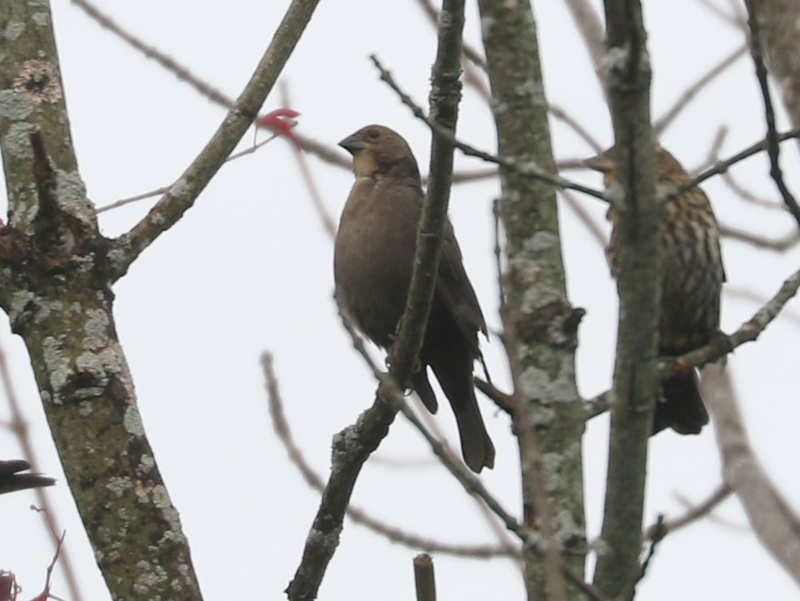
691, 285
373, 259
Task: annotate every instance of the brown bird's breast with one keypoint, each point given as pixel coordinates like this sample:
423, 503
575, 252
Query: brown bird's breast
374, 252
692, 272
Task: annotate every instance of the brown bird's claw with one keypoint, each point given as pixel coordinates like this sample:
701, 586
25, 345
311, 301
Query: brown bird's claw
680, 368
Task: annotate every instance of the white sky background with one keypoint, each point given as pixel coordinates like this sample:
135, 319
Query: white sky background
249, 268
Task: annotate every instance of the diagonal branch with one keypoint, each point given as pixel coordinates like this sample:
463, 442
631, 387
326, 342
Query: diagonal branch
747, 332
775, 523
182, 194
663, 122
356, 514
719, 347
723, 166
528, 169
700, 510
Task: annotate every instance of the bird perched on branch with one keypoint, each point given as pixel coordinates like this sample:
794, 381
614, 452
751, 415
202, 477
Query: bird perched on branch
11, 479
373, 259
691, 285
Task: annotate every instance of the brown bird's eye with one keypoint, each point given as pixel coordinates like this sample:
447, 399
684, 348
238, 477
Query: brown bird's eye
373, 134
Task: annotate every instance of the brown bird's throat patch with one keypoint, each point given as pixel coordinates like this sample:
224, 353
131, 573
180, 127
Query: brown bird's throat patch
364, 164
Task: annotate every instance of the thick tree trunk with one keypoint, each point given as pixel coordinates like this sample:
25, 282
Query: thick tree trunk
539, 322
56, 289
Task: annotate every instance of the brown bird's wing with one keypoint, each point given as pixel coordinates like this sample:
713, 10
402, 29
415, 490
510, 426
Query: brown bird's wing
11, 479
455, 290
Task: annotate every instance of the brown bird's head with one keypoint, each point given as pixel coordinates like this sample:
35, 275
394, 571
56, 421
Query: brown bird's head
378, 150
668, 169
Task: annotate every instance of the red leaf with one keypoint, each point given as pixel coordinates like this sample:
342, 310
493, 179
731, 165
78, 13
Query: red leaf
281, 122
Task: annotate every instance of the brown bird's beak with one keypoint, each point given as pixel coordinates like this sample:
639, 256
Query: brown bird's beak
602, 163
353, 144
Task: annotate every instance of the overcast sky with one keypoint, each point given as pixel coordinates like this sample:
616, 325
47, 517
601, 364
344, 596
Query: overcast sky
249, 268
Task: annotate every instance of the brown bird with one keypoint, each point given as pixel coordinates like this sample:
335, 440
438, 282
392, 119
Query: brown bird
372, 267
691, 285
11, 479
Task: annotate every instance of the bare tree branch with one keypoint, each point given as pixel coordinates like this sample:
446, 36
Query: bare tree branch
695, 513
777, 22
585, 218
724, 165
773, 147
663, 122
747, 332
718, 348
735, 20
353, 446
591, 28
20, 427
639, 267
528, 169
184, 191
358, 515
780, 244
775, 523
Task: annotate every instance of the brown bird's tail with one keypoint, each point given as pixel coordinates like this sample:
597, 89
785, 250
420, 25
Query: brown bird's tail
454, 372
682, 407
476, 446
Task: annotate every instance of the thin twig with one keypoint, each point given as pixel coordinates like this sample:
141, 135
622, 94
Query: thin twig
713, 151
585, 218
526, 170
773, 147
163, 59
733, 20
470, 53
747, 332
779, 244
562, 115
324, 152
20, 427
328, 223
748, 195
164, 189
723, 166
750, 295
663, 122
182, 194
718, 348
358, 515
659, 533
695, 513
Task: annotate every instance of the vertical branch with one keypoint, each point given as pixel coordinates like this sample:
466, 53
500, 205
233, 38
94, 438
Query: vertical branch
537, 316
638, 266
353, 446
773, 147
444, 98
